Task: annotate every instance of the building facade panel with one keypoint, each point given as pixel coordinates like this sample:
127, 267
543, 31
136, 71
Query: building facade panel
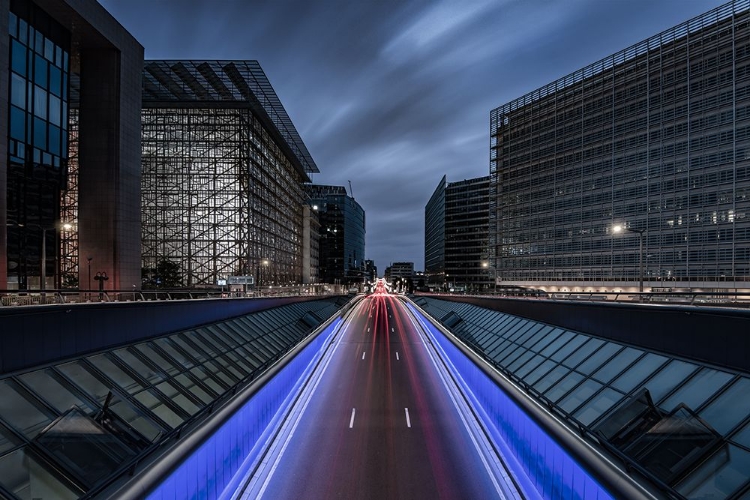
652, 138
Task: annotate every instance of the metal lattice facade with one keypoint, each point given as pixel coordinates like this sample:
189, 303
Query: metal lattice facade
655, 137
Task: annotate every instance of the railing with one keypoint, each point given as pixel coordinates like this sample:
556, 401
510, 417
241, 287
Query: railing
9, 298
717, 299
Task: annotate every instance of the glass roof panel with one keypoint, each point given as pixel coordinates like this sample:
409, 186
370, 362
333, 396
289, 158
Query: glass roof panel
22, 472
562, 386
52, 391
698, 389
582, 352
730, 408
668, 378
552, 377
719, 476
598, 406
637, 373
22, 411
579, 395
613, 367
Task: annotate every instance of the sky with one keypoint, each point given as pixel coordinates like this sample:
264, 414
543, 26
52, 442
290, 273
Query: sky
393, 94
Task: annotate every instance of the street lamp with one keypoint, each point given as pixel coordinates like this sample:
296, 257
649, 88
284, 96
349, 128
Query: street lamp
620, 228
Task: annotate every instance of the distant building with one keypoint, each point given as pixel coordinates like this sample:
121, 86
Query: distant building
371, 271
342, 234
456, 228
403, 270
47, 46
310, 245
655, 139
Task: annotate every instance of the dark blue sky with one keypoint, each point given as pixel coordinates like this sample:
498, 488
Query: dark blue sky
393, 94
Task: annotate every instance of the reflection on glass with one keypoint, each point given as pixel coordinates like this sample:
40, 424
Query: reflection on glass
21, 410
43, 383
698, 389
730, 408
24, 475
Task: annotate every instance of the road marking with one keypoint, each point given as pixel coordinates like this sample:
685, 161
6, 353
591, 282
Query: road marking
351, 420
397, 356
368, 329
408, 421
363, 355
393, 330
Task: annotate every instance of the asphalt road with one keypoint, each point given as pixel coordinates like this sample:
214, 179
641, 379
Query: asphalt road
379, 423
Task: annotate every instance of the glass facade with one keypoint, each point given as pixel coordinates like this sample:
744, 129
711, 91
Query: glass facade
434, 235
342, 234
654, 138
466, 227
37, 141
68, 428
456, 235
683, 422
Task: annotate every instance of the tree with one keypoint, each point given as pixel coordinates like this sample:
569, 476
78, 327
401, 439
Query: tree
166, 274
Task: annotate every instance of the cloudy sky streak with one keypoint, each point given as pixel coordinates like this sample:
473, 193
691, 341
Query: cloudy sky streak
394, 94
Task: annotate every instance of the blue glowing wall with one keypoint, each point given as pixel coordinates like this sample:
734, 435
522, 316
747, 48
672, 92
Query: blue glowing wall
210, 469
549, 468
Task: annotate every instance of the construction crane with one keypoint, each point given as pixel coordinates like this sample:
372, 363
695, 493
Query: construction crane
351, 193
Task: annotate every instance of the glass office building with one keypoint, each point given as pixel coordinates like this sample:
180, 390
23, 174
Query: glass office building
456, 226
654, 139
223, 173
342, 234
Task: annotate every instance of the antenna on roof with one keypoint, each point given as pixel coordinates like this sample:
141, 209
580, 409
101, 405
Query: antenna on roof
351, 193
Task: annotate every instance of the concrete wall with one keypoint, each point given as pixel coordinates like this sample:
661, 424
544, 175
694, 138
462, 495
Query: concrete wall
37, 335
712, 335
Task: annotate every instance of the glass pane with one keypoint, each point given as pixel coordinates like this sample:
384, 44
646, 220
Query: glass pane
17, 91
598, 405
45, 385
719, 476
40, 71
18, 55
158, 360
555, 346
141, 423
729, 409
8, 440
141, 368
582, 352
153, 404
698, 389
176, 396
177, 355
637, 373
40, 102
17, 124
55, 82
598, 358
54, 111
568, 348
191, 386
613, 367
201, 374
115, 373
85, 381
538, 372
54, 140
531, 365
579, 395
24, 475
40, 134
200, 356
563, 386
670, 377
552, 377
21, 411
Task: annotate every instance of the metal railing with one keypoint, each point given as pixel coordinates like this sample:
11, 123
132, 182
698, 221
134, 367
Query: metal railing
12, 298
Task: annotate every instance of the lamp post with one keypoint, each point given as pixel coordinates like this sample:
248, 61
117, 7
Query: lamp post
620, 228
89, 258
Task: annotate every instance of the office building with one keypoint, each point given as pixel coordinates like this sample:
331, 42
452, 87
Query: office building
342, 234
310, 245
46, 45
654, 139
401, 270
456, 227
223, 175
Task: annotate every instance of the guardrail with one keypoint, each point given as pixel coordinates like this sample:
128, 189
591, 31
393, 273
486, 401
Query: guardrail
76, 296
719, 299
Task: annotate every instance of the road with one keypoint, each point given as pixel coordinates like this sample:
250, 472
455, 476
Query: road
379, 422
